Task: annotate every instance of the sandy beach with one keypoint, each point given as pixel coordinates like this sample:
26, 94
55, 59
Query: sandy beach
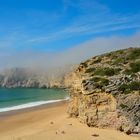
52, 123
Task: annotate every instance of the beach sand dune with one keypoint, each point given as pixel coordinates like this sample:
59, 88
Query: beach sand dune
52, 123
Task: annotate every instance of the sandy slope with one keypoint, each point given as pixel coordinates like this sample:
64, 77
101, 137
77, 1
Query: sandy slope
53, 124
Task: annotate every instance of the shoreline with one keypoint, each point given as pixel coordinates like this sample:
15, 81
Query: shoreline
6, 114
30, 105
33, 97
51, 122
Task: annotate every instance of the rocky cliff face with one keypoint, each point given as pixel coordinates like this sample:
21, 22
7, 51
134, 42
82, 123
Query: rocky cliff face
105, 91
27, 78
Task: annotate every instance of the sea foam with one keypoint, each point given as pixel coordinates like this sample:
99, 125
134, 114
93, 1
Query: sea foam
29, 105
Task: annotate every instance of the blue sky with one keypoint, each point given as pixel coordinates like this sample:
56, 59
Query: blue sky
60, 32
59, 25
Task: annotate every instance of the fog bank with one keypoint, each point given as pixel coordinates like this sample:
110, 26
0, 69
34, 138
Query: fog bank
66, 58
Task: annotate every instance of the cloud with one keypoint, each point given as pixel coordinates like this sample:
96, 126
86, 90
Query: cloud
93, 18
91, 25
41, 28
97, 46
74, 55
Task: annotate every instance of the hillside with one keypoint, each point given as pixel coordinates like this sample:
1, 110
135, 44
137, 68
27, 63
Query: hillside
105, 91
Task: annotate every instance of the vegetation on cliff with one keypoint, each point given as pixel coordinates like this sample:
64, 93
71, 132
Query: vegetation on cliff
113, 66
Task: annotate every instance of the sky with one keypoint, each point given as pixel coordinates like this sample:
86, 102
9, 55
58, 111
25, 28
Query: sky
58, 32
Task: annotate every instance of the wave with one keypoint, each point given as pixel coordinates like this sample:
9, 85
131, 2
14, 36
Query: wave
29, 105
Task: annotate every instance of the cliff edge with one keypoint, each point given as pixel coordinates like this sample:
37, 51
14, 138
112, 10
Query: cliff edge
105, 91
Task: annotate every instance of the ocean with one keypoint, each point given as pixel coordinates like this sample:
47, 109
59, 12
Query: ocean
20, 98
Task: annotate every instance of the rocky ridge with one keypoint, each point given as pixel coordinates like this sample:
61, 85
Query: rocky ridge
105, 91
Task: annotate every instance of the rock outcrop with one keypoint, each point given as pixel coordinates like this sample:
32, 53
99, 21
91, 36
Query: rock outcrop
105, 91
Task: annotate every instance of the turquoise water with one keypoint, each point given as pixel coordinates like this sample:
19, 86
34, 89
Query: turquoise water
16, 98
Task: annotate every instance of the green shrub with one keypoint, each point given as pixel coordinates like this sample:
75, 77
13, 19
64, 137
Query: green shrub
128, 72
89, 70
120, 51
134, 86
135, 54
106, 71
84, 64
108, 54
124, 88
99, 82
97, 61
135, 67
102, 81
95, 79
117, 70
123, 106
127, 88
84, 81
119, 61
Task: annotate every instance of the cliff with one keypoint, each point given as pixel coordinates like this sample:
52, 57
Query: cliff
105, 91
32, 78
